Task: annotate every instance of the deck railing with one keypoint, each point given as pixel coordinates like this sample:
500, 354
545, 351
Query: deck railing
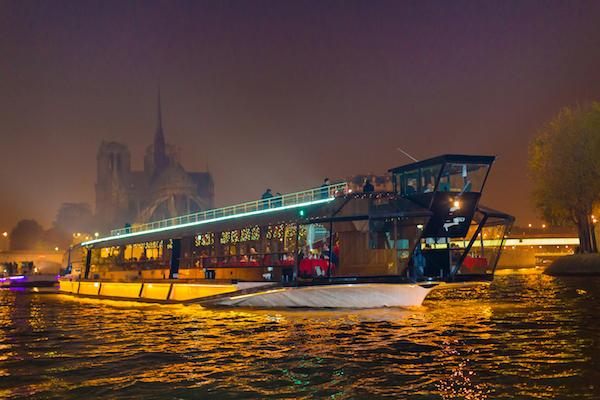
239, 209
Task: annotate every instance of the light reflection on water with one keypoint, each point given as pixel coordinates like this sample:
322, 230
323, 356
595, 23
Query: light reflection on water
525, 336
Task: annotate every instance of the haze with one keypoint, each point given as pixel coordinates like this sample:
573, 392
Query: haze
283, 94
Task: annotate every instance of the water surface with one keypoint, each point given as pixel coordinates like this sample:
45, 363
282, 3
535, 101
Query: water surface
524, 336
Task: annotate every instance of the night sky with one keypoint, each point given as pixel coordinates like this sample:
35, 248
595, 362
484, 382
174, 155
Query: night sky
282, 94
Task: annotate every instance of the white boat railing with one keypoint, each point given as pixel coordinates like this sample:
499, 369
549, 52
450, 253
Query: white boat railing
306, 196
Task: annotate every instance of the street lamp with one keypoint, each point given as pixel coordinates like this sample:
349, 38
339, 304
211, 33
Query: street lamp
5, 234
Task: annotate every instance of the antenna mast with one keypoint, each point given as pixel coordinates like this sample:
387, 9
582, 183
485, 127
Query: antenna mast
408, 155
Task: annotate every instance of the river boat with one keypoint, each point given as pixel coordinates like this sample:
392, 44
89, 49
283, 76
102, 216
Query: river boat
326, 248
29, 281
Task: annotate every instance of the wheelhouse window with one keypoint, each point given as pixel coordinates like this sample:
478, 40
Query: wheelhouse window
429, 176
463, 177
410, 183
422, 180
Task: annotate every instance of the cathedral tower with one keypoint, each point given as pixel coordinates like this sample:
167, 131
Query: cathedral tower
114, 166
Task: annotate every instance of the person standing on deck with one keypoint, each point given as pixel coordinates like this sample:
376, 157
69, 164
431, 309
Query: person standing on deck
324, 190
368, 188
267, 194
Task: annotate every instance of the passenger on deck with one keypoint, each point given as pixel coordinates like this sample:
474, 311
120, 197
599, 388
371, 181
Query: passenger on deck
324, 189
418, 263
285, 253
325, 252
368, 188
267, 194
335, 256
278, 200
267, 257
304, 253
456, 253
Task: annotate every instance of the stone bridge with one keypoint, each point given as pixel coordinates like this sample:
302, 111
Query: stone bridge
46, 262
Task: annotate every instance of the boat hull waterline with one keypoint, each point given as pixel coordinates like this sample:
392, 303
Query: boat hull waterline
250, 294
334, 296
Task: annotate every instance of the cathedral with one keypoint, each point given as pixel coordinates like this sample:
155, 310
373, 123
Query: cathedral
162, 190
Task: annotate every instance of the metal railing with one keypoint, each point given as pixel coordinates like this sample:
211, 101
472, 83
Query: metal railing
240, 209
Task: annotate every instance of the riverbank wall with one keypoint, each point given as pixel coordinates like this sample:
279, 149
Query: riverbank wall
575, 265
516, 259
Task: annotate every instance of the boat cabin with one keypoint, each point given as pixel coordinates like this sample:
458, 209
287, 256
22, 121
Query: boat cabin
431, 227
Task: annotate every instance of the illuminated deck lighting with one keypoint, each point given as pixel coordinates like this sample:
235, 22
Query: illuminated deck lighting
206, 221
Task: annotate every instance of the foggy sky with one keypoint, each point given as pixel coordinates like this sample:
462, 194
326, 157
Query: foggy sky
283, 94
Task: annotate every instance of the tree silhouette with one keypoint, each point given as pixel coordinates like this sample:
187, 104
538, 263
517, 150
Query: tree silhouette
25, 235
564, 166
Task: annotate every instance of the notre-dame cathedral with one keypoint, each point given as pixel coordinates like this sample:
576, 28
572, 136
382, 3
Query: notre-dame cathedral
162, 190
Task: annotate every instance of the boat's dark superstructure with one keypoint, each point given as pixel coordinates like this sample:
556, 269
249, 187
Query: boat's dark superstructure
450, 187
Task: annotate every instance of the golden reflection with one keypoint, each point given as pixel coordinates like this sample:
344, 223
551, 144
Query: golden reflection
36, 318
515, 338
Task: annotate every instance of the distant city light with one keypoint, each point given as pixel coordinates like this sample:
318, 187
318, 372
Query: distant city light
56, 248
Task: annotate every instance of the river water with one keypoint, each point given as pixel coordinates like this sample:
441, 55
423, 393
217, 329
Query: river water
525, 336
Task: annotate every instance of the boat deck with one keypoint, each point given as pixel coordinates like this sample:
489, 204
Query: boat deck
325, 193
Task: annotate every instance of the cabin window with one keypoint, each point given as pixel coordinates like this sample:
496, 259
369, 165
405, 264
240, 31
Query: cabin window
411, 183
131, 257
429, 176
463, 177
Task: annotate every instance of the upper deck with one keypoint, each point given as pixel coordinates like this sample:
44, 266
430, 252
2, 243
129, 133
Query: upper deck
299, 199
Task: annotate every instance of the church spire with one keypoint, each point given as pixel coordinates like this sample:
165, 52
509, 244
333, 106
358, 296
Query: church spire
159, 125
160, 155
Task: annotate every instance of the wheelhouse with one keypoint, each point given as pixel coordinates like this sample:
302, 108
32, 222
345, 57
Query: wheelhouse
462, 237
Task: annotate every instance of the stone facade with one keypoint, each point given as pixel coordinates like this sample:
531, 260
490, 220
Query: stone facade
162, 190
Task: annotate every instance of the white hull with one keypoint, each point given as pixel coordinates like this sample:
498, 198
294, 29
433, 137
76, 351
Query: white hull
333, 296
257, 294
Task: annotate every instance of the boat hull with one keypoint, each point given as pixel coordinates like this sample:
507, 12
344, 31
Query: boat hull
333, 296
256, 294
